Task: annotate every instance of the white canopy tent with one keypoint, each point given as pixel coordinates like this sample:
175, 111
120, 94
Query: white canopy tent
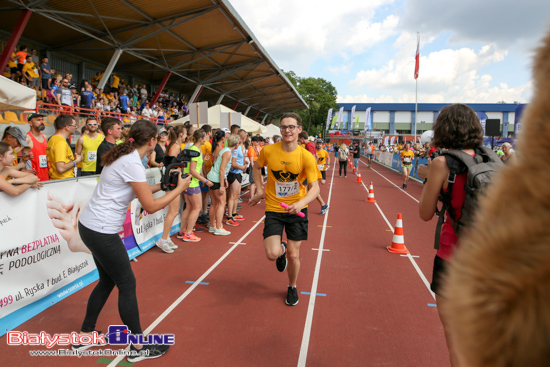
271, 130
214, 114
14, 96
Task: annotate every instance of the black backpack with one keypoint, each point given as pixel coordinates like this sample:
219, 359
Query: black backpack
481, 169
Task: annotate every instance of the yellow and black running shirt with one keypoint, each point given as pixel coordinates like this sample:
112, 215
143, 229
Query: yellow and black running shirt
285, 174
322, 156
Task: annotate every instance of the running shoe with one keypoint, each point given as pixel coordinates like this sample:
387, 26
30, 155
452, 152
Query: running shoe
202, 220
190, 238
86, 346
281, 261
147, 352
198, 229
292, 296
164, 247
324, 209
172, 245
238, 217
240, 200
231, 222
221, 232
211, 229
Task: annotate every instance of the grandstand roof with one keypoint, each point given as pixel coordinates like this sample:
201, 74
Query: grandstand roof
201, 41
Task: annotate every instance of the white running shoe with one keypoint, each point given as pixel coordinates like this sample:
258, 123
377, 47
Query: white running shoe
211, 229
164, 247
172, 245
221, 232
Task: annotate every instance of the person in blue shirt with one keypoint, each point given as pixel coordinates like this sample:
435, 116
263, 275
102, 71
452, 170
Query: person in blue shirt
124, 100
87, 98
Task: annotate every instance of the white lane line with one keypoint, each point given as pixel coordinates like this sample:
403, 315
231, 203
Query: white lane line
309, 318
409, 256
316, 249
189, 290
384, 177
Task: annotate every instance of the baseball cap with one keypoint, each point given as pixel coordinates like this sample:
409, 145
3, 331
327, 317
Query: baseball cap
33, 115
162, 130
319, 141
17, 133
226, 130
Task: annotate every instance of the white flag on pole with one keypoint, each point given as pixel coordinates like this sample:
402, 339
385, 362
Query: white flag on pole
329, 117
340, 118
367, 120
352, 118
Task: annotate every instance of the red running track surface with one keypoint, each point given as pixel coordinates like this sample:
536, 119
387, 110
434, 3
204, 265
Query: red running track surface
371, 307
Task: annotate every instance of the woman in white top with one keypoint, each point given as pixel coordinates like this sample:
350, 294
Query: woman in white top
122, 180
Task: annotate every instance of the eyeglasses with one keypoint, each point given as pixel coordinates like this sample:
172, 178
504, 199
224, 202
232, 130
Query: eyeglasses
288, 127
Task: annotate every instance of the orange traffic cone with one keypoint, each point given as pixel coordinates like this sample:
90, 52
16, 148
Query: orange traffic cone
370, 198
358, 178
398, 241
350, 164
353, 170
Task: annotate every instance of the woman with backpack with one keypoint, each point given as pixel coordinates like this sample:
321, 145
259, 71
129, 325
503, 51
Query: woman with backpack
457, 128
343, 159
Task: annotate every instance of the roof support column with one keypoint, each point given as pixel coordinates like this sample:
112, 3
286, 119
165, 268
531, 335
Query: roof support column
220, 99
161, 87
236, 104
263, 120
110, 68
247, 110
15, 36
255, 117
196, 93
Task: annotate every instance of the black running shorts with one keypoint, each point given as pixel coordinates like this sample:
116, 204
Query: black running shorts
439, 270
231, 177
294, 226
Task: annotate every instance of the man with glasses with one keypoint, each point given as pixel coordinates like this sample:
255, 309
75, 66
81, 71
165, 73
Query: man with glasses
288, 166
61, 162
64, 96
87, 145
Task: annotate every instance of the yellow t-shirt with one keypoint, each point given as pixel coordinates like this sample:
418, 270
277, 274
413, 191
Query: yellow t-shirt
407, 157
89, 152
286, 172
322, 159
58, 151
206, 150
12, 63
31, 69
116, 80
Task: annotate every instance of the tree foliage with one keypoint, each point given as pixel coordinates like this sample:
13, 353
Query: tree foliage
320, 95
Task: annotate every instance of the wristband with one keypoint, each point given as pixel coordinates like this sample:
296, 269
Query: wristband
74, 163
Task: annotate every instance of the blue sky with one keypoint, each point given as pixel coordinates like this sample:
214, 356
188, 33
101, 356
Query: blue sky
472, 51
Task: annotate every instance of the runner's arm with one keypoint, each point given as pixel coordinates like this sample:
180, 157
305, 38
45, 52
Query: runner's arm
437, 174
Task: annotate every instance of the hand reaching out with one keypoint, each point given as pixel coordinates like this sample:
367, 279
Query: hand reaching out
65, 218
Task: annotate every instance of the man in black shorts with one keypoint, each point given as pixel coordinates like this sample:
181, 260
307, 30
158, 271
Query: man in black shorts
288, 166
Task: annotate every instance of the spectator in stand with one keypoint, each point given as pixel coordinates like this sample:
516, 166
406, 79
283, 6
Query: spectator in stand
14, 71
61, 162
112, 131
115, 84
21, 60
87, 98
75, 97
143, 93
193, 193
64, 97
147, 112
20, 181
69, 78
38, 144
509, 155
160, 115
31, 74
87, 145
124, 102
35, 58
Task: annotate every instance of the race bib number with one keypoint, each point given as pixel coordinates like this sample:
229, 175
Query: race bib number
407, 160
43, 160
92, 156
286, 189
321, 167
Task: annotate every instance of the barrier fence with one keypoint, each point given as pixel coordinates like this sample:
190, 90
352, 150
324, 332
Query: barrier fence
393, 161
43, 260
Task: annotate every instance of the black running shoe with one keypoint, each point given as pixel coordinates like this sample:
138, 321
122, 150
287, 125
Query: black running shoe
86, 346
147, 352
292, 297
281, 261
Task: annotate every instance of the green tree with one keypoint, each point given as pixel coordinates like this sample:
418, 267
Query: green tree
320, 95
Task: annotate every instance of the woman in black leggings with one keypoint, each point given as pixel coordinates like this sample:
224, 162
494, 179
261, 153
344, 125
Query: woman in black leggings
122, 179
343, 158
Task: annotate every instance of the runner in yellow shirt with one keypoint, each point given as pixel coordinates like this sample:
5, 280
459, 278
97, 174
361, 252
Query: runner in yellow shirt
407, 157
288, 166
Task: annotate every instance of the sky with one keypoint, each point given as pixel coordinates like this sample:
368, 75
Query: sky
470, 51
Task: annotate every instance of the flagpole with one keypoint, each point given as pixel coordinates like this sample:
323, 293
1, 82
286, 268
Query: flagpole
415, 111
417, 57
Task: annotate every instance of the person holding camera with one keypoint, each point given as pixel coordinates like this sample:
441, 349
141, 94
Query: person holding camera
176, 136
123, 179
218, 175
457, 127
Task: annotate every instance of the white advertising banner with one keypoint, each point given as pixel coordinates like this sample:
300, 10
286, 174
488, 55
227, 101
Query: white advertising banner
42, 258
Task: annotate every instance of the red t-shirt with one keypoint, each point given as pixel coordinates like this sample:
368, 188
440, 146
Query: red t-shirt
310, 147
39, 160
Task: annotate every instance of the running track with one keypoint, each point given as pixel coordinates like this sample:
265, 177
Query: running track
225, 302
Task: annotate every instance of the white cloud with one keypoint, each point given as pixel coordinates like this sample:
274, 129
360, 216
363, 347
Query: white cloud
341, 69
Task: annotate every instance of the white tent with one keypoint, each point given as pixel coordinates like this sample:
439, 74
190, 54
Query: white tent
14, 96
214, 114
271, 130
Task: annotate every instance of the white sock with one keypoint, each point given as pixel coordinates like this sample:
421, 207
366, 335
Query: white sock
284, 249
163, 241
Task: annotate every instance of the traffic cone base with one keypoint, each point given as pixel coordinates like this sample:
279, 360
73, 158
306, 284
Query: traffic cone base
398, 240
358, 178
353, 170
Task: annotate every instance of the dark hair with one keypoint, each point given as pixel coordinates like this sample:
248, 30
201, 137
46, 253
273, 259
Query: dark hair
219, 135
294, 116
457, 127
63, 120
91, 118
107, 123
173, 135
235, 129
141, 132
207, 128
4, 147
303, 134
6, 132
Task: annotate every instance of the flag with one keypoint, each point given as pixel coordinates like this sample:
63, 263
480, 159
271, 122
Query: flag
417, 57
368, 122
356, 122
386, 140
352, 118
333, 123
329, 115
392, 140
340, 118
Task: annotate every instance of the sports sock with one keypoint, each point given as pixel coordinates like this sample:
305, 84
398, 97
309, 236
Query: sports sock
284, 249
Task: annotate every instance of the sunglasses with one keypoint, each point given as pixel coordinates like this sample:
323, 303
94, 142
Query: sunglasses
91, 124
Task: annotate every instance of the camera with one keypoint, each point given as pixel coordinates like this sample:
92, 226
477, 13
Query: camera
169, 179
